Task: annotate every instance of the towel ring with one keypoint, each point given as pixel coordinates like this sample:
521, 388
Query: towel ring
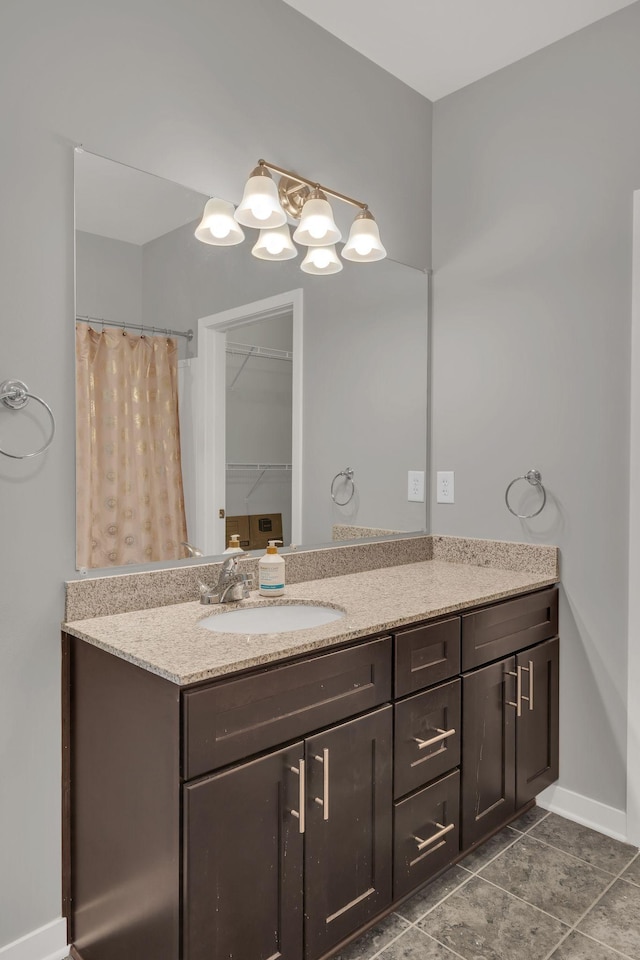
534, 477
15, 395
347, 473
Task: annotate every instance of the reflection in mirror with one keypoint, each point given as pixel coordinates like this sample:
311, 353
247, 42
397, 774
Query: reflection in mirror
258, 430
258, 405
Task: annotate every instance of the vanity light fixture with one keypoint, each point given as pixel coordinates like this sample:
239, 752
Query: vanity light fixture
260, 206
275, 244
321, 261
364, 244
317, 228
218, 225
266, 207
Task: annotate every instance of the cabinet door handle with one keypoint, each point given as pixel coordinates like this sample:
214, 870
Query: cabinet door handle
441, 735
324, 802
518, 702
442, 830
529, 670
299, 814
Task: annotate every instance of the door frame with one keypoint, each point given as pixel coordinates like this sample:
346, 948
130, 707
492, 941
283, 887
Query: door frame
211, 429
633, 671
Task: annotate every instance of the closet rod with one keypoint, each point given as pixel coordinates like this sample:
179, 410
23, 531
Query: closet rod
250, 350
137, 326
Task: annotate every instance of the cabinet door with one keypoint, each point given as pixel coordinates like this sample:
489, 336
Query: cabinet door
488, 749
243, 862
537, 726
349, 827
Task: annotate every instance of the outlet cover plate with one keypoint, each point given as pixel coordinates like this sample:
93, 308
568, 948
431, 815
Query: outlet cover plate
415, 492
444, 486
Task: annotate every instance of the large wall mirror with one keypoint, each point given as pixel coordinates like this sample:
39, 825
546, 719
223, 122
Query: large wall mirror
218, 393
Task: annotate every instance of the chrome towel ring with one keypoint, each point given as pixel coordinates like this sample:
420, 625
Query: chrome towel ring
534, 477
15, 395
347, 473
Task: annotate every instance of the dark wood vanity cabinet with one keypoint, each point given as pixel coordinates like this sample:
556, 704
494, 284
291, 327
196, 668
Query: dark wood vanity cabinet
291, 849
509, 736
243, 861
274, 814
348, 840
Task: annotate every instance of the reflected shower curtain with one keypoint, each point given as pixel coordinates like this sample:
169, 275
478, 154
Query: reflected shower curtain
129, 497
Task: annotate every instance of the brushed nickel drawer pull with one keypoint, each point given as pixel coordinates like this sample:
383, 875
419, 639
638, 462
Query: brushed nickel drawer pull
518, 702
529, 670
299, 814
441, 735
324, 802
442, 830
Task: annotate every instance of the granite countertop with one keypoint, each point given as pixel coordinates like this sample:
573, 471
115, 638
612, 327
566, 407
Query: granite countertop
168, 641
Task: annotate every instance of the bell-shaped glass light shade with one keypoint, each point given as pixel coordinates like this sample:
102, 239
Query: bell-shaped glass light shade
218, 225
275, 245
364, 245
260, 206
317, 228
321, 261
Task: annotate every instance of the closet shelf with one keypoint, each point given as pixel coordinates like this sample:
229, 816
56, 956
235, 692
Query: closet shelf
249, 350
260, 469
258, 466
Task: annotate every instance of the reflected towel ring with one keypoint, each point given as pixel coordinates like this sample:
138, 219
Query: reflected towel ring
347, 473
534, 477
15, 395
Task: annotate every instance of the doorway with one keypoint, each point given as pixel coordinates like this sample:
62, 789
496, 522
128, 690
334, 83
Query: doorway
243, 456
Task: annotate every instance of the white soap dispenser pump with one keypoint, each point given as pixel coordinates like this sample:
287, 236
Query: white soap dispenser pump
234, 544
271, 572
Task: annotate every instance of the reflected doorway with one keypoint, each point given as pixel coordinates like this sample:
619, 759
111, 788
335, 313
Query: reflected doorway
250, 423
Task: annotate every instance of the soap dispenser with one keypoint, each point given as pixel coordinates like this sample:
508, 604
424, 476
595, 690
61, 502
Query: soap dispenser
271, 572
234, 544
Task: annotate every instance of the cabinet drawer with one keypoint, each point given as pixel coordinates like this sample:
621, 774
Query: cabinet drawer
426, 833
506, 627
427, 655
427, 737
237, 718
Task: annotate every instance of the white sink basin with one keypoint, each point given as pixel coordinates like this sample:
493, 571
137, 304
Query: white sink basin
274, 618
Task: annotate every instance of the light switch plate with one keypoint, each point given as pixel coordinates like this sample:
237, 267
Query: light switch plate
444, 486
416, 486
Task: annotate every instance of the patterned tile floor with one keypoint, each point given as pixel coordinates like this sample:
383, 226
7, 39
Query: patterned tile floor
543, 888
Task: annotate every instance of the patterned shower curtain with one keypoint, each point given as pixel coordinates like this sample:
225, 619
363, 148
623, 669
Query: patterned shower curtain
129, 498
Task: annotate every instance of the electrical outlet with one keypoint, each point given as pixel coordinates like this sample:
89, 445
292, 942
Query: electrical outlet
416, 486
444, 486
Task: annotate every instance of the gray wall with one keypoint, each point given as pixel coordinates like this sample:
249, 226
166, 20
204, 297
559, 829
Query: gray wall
137, 80
108, 278
533, 173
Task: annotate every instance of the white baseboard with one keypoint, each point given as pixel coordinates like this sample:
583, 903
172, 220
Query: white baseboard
590, 813
45, 943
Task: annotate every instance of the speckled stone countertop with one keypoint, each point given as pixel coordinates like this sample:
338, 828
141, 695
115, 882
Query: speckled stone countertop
168, 641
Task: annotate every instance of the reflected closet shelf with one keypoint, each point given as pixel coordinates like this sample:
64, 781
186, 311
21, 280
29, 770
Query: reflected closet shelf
258, 466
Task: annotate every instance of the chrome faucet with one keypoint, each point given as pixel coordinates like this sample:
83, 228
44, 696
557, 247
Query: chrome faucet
191, 550
231, 585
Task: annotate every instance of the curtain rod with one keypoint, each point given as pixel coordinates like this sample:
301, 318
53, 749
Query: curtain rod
137, 326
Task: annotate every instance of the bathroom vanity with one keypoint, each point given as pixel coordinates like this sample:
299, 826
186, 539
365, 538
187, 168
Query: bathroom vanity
278, 801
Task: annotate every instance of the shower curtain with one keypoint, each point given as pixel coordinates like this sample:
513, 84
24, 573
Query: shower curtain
129, 496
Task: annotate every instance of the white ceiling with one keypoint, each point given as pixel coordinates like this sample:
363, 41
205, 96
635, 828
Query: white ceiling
438, 46
120, 202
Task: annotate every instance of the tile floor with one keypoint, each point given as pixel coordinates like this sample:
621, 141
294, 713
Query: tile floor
543, 888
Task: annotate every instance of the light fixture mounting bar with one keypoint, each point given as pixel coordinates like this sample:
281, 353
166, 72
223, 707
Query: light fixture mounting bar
313, 184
